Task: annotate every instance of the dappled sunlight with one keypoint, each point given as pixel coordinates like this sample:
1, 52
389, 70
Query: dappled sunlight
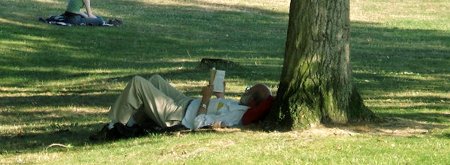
189, 85
177, 60
393, 44
22, 46
183, 40
29, 158
394, 127
29, 45
150, 51
33, 120
410, 99
20, 23
34, 38
398, 104
424, 94
40, 40
388, 11
405, 75
227, 5
53, 2
57, 83
22, 91
228, 51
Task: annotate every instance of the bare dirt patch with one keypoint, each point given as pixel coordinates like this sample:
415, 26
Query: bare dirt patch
390, 127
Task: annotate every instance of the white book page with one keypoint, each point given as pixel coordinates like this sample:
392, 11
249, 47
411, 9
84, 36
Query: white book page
218, 81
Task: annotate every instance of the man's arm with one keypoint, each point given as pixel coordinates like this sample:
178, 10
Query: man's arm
84, 15
87, 4
206, 96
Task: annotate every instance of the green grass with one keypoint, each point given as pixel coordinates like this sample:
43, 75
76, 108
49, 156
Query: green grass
57, 83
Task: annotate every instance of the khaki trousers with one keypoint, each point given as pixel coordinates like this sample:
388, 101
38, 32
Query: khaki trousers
161, 102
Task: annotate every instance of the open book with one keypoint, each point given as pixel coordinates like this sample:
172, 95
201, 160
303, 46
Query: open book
217, 80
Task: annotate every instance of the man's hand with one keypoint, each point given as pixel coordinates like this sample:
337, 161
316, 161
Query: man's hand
206, 93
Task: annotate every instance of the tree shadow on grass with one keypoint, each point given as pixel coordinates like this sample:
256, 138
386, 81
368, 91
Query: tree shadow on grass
40, 137
389, 60
426, 117
165, 33
385, 82
81, 100
187, 33
444, 136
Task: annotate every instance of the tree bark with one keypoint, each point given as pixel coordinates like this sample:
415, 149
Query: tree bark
315, 85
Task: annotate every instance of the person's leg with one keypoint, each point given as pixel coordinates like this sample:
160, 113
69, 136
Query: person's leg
130, 100
144, 122
77, 19
93, 21
140, 94
179, 99
73, 19
165, 87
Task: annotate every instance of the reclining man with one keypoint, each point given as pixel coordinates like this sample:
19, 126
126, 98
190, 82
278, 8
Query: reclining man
156, 101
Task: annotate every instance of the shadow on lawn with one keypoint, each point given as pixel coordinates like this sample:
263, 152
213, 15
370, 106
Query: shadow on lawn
159, 38
155, 37
427, 117
100, 100
36, 140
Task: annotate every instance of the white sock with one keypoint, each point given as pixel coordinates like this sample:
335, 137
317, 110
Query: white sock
131, 122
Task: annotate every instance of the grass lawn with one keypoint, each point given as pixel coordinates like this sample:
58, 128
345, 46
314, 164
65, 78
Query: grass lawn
57, 83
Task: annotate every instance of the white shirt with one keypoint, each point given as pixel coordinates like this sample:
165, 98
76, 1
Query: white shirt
227, 111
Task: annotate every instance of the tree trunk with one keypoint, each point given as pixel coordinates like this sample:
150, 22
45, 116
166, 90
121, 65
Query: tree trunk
315, 84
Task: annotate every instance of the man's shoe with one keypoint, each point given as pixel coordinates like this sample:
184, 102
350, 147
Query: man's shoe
114, 22
129, 132
105, 134
176, 128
